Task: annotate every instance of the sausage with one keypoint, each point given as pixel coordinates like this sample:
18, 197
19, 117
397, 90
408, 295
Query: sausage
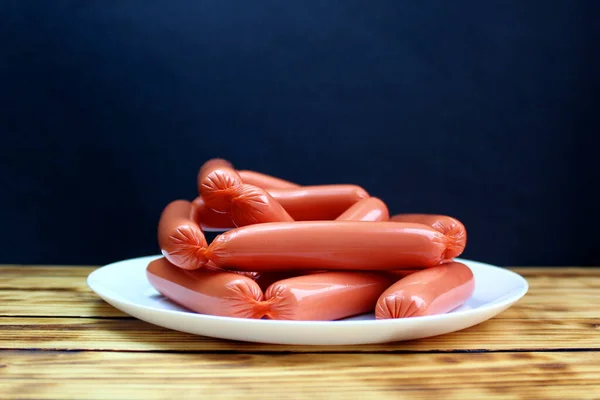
266, 279
180, 239
432, 291
320, 202
369, 209
372, 209
252, 205
265, 181
326, 296
332, 245
216, 179
209, 220
212, 267
310, 203
207, 292
222, 190
449, 226
402, 273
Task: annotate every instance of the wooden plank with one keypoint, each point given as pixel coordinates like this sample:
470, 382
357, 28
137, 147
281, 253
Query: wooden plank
63, 292
92, 375
31, 282
135, 335
550, 303
18, 271
55, 302
51, 291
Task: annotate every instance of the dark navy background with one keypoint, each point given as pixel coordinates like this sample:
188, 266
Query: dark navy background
475, 109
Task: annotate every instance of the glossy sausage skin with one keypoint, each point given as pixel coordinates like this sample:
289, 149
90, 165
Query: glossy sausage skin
369, 209
433, 291
372, 209
207, 292
253, 205
318, 203
442, 223
326, 296
209, 220
216, 179
180, 239
222, 190
266, 279
212, 267
310, 203
265, 181
334, 245
402, 273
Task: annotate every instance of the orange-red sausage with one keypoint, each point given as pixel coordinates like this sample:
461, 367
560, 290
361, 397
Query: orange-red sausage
266, 279
217, 173
265, 181
326, 296
369, 209
442, 223
222, 190
253, 205
208, 219
212, 267
311, 203
335, 245
372, 209
180, 239
216, 178
207, 292
402, 273
432, 291
317, 203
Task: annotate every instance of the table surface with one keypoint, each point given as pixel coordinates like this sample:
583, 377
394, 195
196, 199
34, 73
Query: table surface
59, 340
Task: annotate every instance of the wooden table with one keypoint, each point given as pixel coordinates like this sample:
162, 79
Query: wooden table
59, 340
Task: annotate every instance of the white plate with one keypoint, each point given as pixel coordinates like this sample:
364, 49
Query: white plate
125, 286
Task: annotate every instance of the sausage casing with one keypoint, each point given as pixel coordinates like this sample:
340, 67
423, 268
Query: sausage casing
432, 291
325, 296
369, 209
180, 238
447, 225
206, 291
335, 245
320, 202
216, 178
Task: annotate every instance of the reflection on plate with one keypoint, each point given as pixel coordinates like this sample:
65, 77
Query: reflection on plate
124, 285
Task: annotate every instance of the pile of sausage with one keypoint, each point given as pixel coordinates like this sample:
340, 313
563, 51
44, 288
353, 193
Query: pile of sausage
291, 252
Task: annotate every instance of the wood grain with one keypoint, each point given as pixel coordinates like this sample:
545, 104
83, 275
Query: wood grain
539, 303
80, 302
560, 311
59, 340
136, 335
63, 292
45, 271
93, 375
